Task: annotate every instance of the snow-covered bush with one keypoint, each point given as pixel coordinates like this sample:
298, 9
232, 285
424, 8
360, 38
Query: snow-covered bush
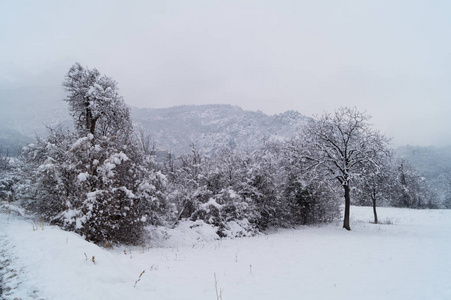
226, 211
46, 183
207, 189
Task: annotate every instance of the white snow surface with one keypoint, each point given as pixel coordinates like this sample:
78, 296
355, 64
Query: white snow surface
408, 257
83, 176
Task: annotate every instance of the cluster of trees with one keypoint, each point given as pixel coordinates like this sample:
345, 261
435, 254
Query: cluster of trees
103, 182
255, 189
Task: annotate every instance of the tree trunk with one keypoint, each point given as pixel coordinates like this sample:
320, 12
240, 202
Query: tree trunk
347, 207
374, 209
92, 128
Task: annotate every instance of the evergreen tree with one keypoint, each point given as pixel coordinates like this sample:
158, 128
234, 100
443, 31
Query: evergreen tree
95, 181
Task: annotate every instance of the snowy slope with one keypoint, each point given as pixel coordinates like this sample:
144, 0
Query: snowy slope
407, 259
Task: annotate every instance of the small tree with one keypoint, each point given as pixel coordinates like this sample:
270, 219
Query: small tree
311, 199
339, 146
7, 179
310, 195
377, 182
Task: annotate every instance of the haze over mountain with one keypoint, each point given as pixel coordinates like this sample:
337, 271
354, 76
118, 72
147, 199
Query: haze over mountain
28, 112
30, 109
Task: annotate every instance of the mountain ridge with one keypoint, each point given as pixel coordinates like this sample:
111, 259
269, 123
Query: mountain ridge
29, 111
213, 126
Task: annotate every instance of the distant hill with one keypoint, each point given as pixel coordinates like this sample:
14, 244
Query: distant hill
211, 127
27, 112
430, 161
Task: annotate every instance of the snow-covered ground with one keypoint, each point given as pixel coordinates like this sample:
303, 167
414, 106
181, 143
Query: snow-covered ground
409, 258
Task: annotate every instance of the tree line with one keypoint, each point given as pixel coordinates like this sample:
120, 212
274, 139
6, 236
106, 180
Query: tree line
102, 180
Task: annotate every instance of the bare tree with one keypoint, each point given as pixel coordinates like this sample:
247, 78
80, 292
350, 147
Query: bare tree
378, 181
144, 141
340, 146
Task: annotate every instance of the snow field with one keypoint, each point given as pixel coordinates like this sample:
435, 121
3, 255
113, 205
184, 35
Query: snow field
410, 258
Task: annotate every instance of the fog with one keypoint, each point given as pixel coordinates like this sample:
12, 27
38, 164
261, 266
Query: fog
388, 58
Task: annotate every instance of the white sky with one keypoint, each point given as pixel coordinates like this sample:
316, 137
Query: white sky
389, 58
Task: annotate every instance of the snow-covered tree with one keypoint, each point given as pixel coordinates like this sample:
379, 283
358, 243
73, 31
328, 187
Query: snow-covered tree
339, 146
263, 183
95, 181
95, 103
377, 182
446, 181
7, 178
311, 196
188, 188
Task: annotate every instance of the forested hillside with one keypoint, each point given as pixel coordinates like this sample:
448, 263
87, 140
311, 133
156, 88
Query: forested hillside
211, 127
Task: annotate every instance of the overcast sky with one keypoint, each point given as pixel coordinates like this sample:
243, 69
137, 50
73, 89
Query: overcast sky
391, 59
